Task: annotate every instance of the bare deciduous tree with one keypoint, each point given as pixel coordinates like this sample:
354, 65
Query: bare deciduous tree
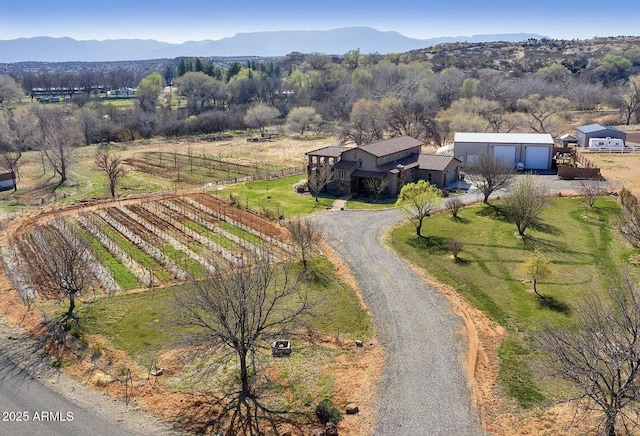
591, 190
319, 177
454, 204
111, 164
63, 272
9, 90
526, 201
304, 236
628, 222
238, 311
17, 130
376, 187
629, 102
366, 123
456, 246
600, 356
58, 140
489, 175
260, 116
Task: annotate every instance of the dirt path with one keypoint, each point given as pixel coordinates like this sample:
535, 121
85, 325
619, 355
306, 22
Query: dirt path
424, 388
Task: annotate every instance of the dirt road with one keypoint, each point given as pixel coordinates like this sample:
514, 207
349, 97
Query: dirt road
36, 399
423, 389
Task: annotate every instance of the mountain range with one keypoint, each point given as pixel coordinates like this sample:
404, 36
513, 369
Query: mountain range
273, 43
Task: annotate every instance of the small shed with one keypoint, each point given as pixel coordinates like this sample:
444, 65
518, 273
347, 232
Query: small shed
585, 133
7, 181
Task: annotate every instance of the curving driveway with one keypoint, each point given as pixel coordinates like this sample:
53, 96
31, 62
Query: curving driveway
424, 388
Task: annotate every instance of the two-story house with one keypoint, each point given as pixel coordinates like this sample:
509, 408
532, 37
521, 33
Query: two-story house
395, 161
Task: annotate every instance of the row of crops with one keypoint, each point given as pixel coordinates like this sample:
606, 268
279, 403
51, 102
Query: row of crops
146, 243
196, 169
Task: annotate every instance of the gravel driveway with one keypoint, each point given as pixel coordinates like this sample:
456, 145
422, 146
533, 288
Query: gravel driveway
424, 388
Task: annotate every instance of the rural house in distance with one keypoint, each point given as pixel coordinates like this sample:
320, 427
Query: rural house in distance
585, 134
393, 162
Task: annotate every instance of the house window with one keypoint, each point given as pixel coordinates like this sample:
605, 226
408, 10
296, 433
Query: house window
342, 174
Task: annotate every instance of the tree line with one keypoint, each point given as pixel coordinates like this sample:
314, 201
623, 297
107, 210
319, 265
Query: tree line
359, 97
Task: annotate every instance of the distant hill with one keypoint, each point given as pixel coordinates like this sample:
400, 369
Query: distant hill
276, 43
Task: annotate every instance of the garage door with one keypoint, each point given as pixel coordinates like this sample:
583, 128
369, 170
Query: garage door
507, 153
537, 158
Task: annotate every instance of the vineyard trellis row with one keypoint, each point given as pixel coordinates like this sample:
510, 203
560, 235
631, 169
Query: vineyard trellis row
207, 170
164, 237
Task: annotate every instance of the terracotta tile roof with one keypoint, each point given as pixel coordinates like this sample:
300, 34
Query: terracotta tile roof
390, 146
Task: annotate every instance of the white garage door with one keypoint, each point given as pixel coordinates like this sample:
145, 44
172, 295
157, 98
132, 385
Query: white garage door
507, 153
537, 158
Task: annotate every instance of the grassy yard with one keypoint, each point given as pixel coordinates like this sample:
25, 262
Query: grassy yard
278, 197
143, 324
586, 254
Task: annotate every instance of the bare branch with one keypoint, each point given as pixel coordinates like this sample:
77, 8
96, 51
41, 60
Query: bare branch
489, 175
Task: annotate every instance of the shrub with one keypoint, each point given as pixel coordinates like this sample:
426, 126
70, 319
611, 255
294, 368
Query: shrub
327, 412
454, 204
455, 245
301, 187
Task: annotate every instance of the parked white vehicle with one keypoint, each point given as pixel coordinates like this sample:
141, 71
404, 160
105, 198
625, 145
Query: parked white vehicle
607, 143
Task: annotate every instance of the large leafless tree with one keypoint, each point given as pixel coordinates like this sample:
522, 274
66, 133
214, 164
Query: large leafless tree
260, 116
111, 164
526, 201
600, 357
63, 271
58, 140
304, 236
17, 129
489, 175
237, 311
319, 177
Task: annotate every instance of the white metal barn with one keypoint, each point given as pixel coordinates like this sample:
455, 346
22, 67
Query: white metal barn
533, 151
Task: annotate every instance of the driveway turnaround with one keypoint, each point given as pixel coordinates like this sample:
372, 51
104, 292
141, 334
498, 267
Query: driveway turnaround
423, 390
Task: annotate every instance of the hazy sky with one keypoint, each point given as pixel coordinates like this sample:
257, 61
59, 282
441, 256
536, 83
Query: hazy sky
184, 20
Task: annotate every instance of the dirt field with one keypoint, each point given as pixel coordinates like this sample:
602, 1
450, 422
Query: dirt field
623, 168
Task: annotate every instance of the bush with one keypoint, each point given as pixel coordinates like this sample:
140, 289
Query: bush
453, 205
327, 412
301, 187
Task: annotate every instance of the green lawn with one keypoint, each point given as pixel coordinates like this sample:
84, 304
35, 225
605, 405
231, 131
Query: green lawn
586, 254
143, 324
276, 196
